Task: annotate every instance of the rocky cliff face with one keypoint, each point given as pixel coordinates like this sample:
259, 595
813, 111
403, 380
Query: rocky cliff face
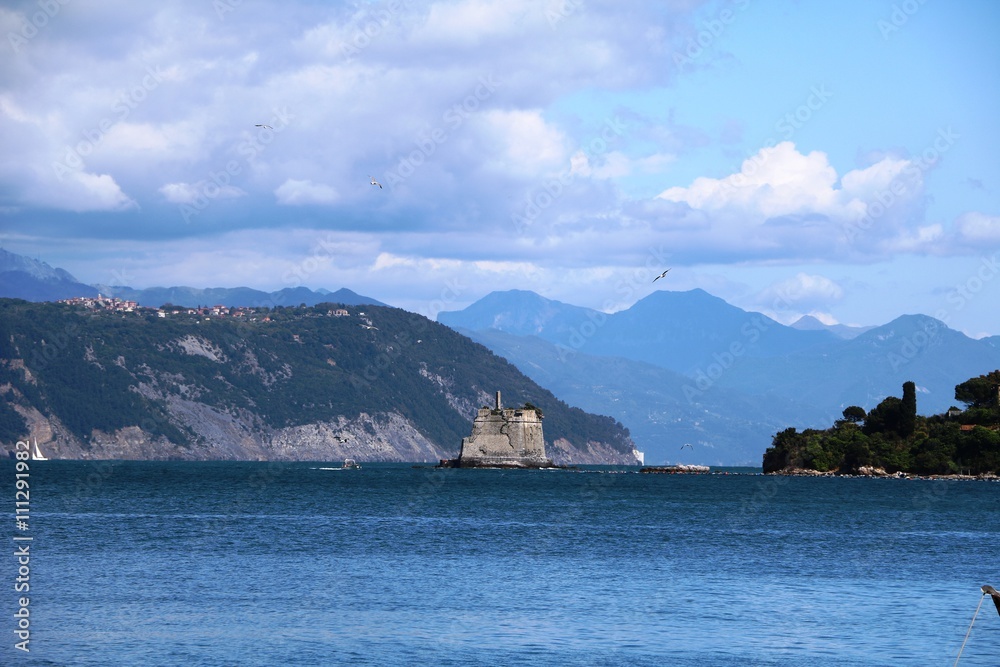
562, 452
386, 438
224, 437
377, 385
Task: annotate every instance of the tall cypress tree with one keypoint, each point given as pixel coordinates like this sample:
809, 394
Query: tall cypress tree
908, 418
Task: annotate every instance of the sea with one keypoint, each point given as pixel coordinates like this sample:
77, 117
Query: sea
235, 563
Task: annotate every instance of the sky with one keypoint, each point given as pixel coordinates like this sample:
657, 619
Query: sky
832, 159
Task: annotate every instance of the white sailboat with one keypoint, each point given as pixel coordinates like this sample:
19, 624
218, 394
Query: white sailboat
38, 453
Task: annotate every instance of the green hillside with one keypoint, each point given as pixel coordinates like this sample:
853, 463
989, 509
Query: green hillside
894, 438
95, 369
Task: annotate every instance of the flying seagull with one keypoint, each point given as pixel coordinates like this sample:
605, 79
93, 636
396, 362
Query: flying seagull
661, 275
687, 444
265, 126
374, 182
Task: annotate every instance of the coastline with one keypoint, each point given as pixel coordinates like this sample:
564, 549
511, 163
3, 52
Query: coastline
879, 473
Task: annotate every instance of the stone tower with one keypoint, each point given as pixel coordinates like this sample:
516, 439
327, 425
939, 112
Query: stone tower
504, 438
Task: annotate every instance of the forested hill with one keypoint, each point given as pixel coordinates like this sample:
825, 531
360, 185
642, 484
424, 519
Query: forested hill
893, 438
309, 383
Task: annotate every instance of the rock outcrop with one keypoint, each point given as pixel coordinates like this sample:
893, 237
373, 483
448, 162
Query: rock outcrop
313, 384
504, 438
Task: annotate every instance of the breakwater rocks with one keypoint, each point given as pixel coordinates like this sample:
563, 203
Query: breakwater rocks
872, 472
676, 470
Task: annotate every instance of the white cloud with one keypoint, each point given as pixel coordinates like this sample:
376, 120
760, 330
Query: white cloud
802, 291
978, 228
522, 142
825, 318
193, 193
81, 191
471, 22
784, 204
388, 260
774, 182
295, 192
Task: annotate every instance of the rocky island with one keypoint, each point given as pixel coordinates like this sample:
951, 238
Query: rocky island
503, 438
306, 383
893, 440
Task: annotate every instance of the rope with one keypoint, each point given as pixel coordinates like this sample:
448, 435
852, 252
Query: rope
970, 629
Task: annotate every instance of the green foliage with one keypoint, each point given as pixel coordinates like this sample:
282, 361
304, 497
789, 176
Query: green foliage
97, 370
980, 392
908, 410
12, 424
896, 439
886, 417
855, 414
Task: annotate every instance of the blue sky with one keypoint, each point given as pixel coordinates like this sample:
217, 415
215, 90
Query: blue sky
838, 160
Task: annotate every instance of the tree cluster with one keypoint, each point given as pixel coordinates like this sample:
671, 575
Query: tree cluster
895, 438
95, 370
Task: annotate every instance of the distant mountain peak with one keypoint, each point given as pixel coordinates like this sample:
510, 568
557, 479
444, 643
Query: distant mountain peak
35, 268
691, 297
910, 323
845, 331
33, 280
520, 312
808, 323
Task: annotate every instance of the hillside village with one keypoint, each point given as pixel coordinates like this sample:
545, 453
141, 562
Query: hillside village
245, 313
298, 383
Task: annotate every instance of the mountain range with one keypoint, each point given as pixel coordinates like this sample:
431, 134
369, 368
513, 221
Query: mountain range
33, 280
695, 379
687, 368
320, 383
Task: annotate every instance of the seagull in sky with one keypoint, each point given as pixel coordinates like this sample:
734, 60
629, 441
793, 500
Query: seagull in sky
374, 182
686, 444
661, 275
264, 126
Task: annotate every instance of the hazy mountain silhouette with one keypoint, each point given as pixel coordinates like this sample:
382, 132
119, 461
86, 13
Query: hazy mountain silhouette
33, 280
810, 323
677, 366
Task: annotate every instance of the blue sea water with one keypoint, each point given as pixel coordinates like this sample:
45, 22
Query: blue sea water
179, 563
